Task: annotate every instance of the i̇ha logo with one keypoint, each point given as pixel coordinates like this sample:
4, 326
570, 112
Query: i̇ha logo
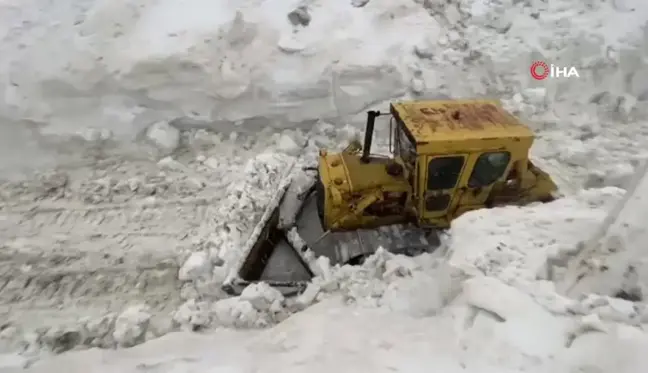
540, 70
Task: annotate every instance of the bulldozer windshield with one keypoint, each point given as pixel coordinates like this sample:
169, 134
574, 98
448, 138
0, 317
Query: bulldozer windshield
404, 148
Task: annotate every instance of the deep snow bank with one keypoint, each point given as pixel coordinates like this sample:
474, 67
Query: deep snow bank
123, 65
492, 327
613, 260
120, 66
512, 245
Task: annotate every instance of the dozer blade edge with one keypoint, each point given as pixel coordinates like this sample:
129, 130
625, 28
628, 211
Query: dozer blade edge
268, 255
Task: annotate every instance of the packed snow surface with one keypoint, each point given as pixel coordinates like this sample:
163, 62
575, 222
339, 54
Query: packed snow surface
612, 261
141, 142
461, 339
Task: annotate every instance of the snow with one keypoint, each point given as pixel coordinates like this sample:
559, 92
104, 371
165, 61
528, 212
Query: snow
120, 245
130, 326
612, 260
262, 296
345, 340
165, 137
195, 267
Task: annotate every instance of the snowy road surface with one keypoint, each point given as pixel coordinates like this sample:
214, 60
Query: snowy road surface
140, 141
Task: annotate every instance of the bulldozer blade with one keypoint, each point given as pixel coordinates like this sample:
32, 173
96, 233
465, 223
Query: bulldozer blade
273, 260
268, 255
292, 203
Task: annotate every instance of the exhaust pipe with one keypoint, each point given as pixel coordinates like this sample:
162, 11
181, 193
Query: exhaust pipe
371, 121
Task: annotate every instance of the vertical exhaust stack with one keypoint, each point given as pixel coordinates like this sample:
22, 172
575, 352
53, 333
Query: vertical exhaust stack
371, 121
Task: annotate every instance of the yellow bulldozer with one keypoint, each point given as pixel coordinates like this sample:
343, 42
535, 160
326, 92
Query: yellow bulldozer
448, 157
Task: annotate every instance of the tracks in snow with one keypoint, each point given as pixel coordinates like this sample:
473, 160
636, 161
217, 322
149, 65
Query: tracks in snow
57, 258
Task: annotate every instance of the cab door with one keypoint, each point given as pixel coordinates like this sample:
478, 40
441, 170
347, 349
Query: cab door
438, 186
477, 185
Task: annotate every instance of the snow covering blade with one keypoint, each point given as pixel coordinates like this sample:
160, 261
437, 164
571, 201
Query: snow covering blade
268, 255
273, 260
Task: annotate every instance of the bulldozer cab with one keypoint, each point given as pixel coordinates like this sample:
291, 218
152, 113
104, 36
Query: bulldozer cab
456, 153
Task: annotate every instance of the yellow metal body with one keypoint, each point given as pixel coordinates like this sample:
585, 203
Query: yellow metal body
450, 157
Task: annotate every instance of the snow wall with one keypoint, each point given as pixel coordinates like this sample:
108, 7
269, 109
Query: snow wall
614, 261
77, 66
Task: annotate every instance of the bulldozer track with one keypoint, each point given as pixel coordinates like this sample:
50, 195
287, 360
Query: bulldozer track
103, 219
59, 258
93, 237
35, 208
73, 287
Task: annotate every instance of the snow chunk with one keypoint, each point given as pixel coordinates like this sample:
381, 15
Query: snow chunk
198, 265
587, 324
309, 296
100, 328
324, 274
417, 85
288, 145
131, 325
95, 134
234, 312
498, 298
164, 137
212, 163
399, 266
418, 296
619, 310
262, 296
290, 44
192, 315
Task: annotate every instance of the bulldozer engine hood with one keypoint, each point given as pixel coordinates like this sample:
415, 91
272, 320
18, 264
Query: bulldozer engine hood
348, 173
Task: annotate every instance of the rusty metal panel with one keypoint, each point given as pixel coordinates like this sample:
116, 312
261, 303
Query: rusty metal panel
438, 116
458, 121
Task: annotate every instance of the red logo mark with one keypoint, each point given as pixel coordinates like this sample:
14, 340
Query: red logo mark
539, 70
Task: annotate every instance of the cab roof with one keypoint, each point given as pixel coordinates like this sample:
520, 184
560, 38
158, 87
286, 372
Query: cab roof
443, 121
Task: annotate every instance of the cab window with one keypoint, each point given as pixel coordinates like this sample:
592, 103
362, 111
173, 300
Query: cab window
404, 147
444, 172
488, 168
